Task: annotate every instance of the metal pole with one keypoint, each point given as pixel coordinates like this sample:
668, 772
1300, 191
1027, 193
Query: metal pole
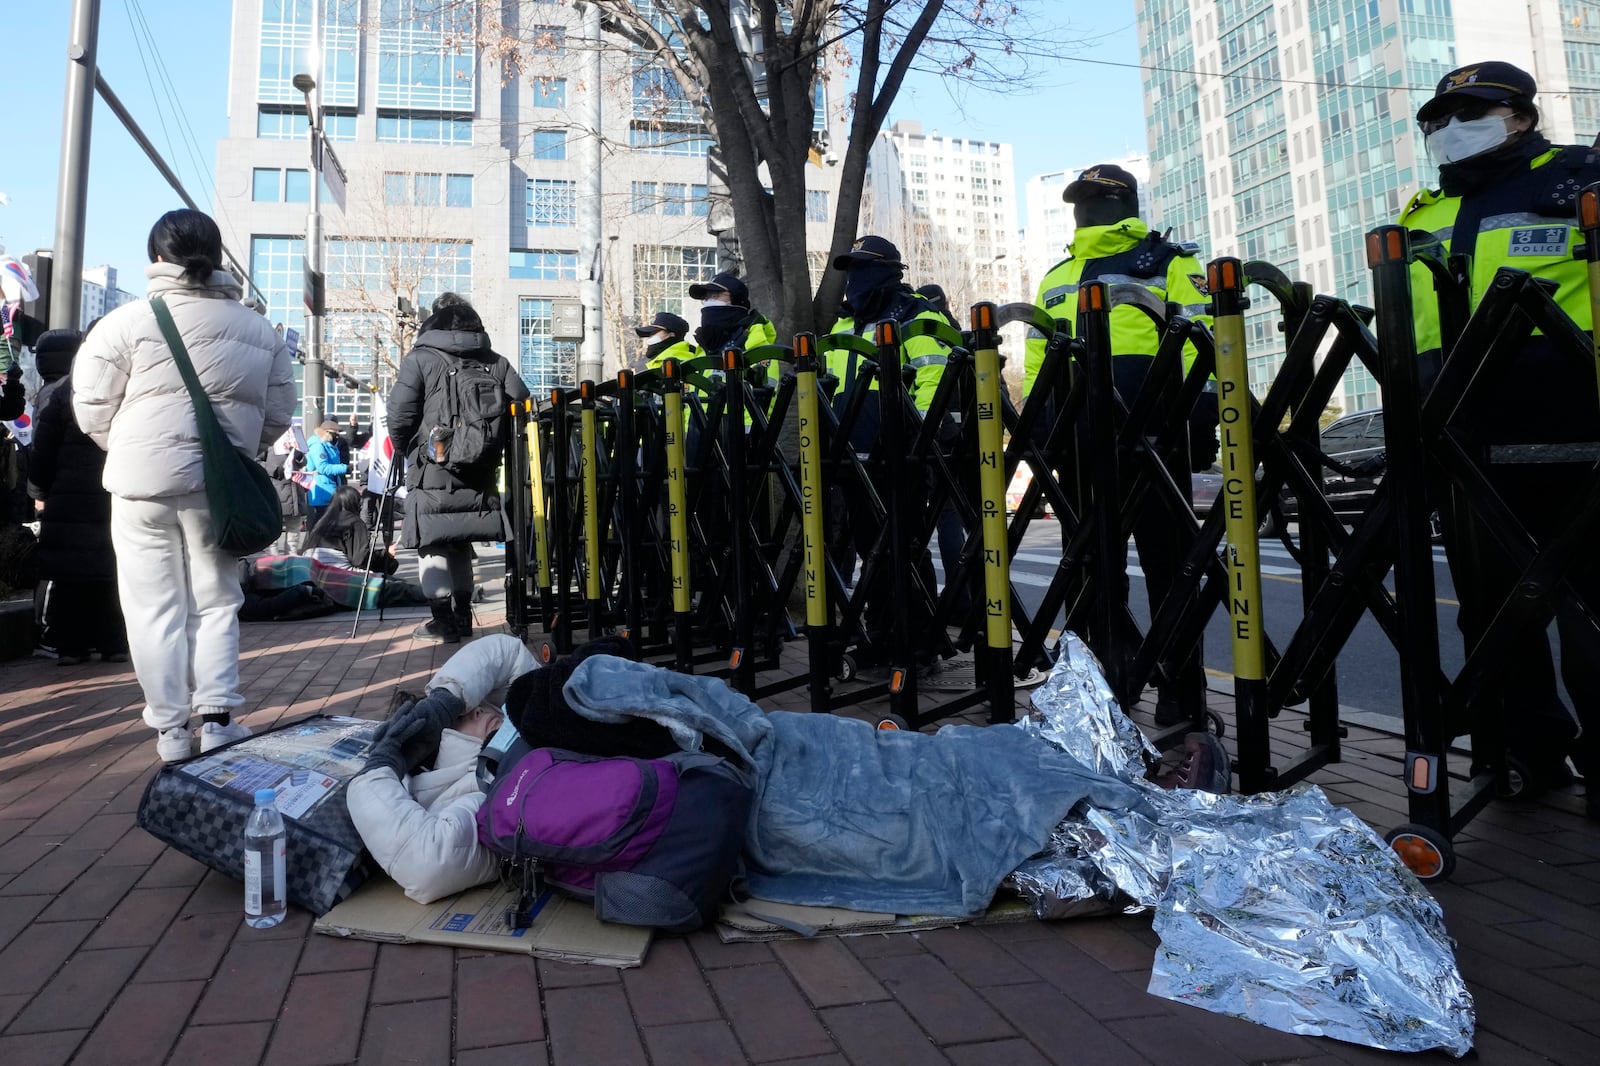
315, 392
591, 356
72, 185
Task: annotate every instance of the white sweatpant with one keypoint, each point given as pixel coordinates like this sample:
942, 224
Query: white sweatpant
181, 596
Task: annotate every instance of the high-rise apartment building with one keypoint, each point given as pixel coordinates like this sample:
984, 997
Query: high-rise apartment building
950, 205
101, 294
463, 175
1284, 130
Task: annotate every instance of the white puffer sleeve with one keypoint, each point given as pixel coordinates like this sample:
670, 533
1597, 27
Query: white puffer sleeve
430, 854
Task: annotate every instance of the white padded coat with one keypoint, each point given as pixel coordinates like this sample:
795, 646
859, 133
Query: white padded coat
129, 398
423, 831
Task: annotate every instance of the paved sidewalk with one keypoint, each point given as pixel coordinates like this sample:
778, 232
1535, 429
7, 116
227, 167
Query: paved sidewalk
115, 949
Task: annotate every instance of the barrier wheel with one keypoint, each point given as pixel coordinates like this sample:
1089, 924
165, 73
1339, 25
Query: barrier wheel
1425, 851
1219, 728
847, 667
892, 723
1516, 783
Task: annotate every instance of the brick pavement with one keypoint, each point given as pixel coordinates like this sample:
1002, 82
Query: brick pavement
114, 949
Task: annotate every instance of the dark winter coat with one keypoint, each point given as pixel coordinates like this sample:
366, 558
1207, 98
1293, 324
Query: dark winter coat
444, 507
347, 533
65, 471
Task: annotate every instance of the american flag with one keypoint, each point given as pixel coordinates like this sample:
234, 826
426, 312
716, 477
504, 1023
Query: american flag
5, 319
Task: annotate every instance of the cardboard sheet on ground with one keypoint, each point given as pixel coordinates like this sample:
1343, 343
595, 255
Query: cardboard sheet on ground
565, 930
757, 919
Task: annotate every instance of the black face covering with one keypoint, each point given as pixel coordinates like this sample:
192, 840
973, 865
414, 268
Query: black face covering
868, 286
661, 344
1481, 171
1103, 210
717, 325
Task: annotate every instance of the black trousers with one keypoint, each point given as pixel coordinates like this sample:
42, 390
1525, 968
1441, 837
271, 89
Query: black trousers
85, 616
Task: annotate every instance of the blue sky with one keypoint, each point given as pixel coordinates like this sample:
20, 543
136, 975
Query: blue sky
1078, 114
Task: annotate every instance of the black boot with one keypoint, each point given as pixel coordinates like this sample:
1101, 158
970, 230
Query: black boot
462, 603
442, 630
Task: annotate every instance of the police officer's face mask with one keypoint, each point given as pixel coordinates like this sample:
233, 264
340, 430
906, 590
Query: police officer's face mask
1460, 139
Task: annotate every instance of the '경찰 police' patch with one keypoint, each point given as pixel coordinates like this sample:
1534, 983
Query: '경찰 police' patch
1539, 240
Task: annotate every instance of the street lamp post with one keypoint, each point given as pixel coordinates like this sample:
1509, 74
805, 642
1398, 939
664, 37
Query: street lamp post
314, 399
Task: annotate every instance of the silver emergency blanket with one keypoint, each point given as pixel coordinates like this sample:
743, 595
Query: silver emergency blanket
1279, 908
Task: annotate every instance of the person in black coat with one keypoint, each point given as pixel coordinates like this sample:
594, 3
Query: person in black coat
82, 611
449, 504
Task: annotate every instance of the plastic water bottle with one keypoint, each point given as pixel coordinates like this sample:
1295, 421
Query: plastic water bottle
265, 887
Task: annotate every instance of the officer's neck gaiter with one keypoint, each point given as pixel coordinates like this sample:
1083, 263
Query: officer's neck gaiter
717, 325
1103, 211
1481, 171
659, 346
868, 286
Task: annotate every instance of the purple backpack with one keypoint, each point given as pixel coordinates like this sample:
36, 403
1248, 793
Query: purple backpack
651, 841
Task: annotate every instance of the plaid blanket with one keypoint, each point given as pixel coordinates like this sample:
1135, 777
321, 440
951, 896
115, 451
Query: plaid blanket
343, 586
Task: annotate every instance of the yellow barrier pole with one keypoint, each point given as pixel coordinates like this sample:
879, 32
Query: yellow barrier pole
819, 630
677, 517
1227, 282
541, 543
589, 471
992, 497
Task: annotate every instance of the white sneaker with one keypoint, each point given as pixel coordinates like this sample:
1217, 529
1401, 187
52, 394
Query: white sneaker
213, 735
175, 744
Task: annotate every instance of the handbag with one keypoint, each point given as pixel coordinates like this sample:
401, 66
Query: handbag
246, 515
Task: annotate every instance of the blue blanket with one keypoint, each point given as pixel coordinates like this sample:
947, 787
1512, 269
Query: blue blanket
850, 816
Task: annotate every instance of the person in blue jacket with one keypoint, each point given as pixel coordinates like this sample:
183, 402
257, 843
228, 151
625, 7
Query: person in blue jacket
325, 468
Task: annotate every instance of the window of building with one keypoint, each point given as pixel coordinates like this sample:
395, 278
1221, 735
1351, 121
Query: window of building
550, 92
426, 57
427, 190
699, 202
282, 123
662, 275
816, 205
286, 34
270, 185
655, 139
657, 97
549, 144
544, 362
644, 197
674, 199
458, 190
545, 265
551, 202
404, 127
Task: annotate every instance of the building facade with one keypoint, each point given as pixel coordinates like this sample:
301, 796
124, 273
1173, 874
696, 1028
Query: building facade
950, 205
1284, 130
463, 175
101, 294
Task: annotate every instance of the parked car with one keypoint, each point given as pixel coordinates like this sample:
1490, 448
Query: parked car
1352, 440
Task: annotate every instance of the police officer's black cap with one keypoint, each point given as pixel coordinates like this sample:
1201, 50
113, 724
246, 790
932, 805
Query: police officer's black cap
664, 320
868, 249
737, 290
1107, 179
1496, 82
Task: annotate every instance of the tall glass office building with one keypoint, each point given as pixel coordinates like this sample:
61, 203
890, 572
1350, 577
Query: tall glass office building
463, 175
1284, 130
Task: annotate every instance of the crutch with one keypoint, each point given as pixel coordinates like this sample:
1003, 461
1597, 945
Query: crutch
384, 515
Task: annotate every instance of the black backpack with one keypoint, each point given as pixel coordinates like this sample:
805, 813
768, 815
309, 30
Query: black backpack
476, 416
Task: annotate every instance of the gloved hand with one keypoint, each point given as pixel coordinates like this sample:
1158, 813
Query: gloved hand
410, 737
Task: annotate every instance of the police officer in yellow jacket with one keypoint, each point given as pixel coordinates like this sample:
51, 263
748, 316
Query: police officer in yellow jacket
1508, 198
1111, 244
666, 336
874, 291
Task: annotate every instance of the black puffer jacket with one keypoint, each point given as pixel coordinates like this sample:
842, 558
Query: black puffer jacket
443, 507
65, 470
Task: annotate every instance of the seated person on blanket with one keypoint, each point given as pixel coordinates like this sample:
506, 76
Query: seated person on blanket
415, 803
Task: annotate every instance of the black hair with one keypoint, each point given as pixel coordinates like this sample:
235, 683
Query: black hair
189, 239
346, 501
446, 299
1523, 107
453, 314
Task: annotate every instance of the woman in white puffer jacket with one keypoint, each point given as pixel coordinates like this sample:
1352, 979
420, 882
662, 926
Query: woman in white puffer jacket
422, 827
179, 591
